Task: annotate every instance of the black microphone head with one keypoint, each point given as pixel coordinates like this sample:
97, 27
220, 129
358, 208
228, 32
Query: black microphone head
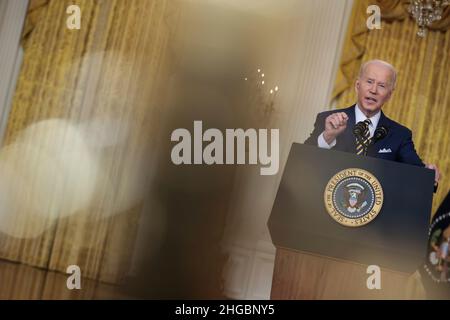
360, 128
380, 133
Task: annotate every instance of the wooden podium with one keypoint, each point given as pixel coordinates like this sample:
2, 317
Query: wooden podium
300, 275
318, 258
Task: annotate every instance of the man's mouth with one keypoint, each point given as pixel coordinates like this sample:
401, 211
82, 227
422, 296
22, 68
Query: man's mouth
370, 100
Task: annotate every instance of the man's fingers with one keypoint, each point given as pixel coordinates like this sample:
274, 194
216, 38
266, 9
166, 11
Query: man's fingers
437, 174
338, 122
342, 116
335, 122
344, 119
330, 121
340, 119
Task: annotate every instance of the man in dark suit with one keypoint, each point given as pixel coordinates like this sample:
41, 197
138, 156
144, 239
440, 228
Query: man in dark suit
374, 86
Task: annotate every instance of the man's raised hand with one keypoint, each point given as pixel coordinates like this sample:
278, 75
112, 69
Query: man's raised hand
335, 124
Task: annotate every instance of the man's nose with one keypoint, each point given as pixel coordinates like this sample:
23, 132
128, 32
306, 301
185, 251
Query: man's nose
373, 89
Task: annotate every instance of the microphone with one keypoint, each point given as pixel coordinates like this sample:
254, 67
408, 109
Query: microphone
359, 129
380, 133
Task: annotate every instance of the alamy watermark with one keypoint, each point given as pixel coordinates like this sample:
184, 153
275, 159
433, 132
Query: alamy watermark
74, 280
73, 22
374, 280
374, 20
213, 153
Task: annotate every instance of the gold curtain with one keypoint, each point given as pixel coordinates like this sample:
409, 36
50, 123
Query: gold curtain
36, 9
110, 67
421, 100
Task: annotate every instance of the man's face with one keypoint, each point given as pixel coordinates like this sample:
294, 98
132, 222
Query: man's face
374, 88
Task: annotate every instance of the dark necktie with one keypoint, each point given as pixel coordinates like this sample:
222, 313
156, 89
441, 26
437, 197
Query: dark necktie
365, 139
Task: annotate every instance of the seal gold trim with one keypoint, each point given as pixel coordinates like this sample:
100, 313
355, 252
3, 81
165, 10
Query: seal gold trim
356, 216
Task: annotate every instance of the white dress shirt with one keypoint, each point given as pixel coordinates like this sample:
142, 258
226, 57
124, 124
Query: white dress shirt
359, 116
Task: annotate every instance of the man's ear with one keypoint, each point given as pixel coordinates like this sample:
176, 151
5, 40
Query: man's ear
390, 95
357, 84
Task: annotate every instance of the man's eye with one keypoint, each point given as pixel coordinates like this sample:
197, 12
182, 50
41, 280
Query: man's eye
369, 81
382, 85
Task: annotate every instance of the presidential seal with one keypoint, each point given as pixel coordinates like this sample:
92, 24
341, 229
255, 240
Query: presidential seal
435, 273
438, 262
353, 197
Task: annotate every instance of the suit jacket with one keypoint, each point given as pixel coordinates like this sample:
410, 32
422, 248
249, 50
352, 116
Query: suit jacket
398, 140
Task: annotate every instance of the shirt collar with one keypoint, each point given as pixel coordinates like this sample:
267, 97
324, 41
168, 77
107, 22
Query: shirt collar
359, 116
